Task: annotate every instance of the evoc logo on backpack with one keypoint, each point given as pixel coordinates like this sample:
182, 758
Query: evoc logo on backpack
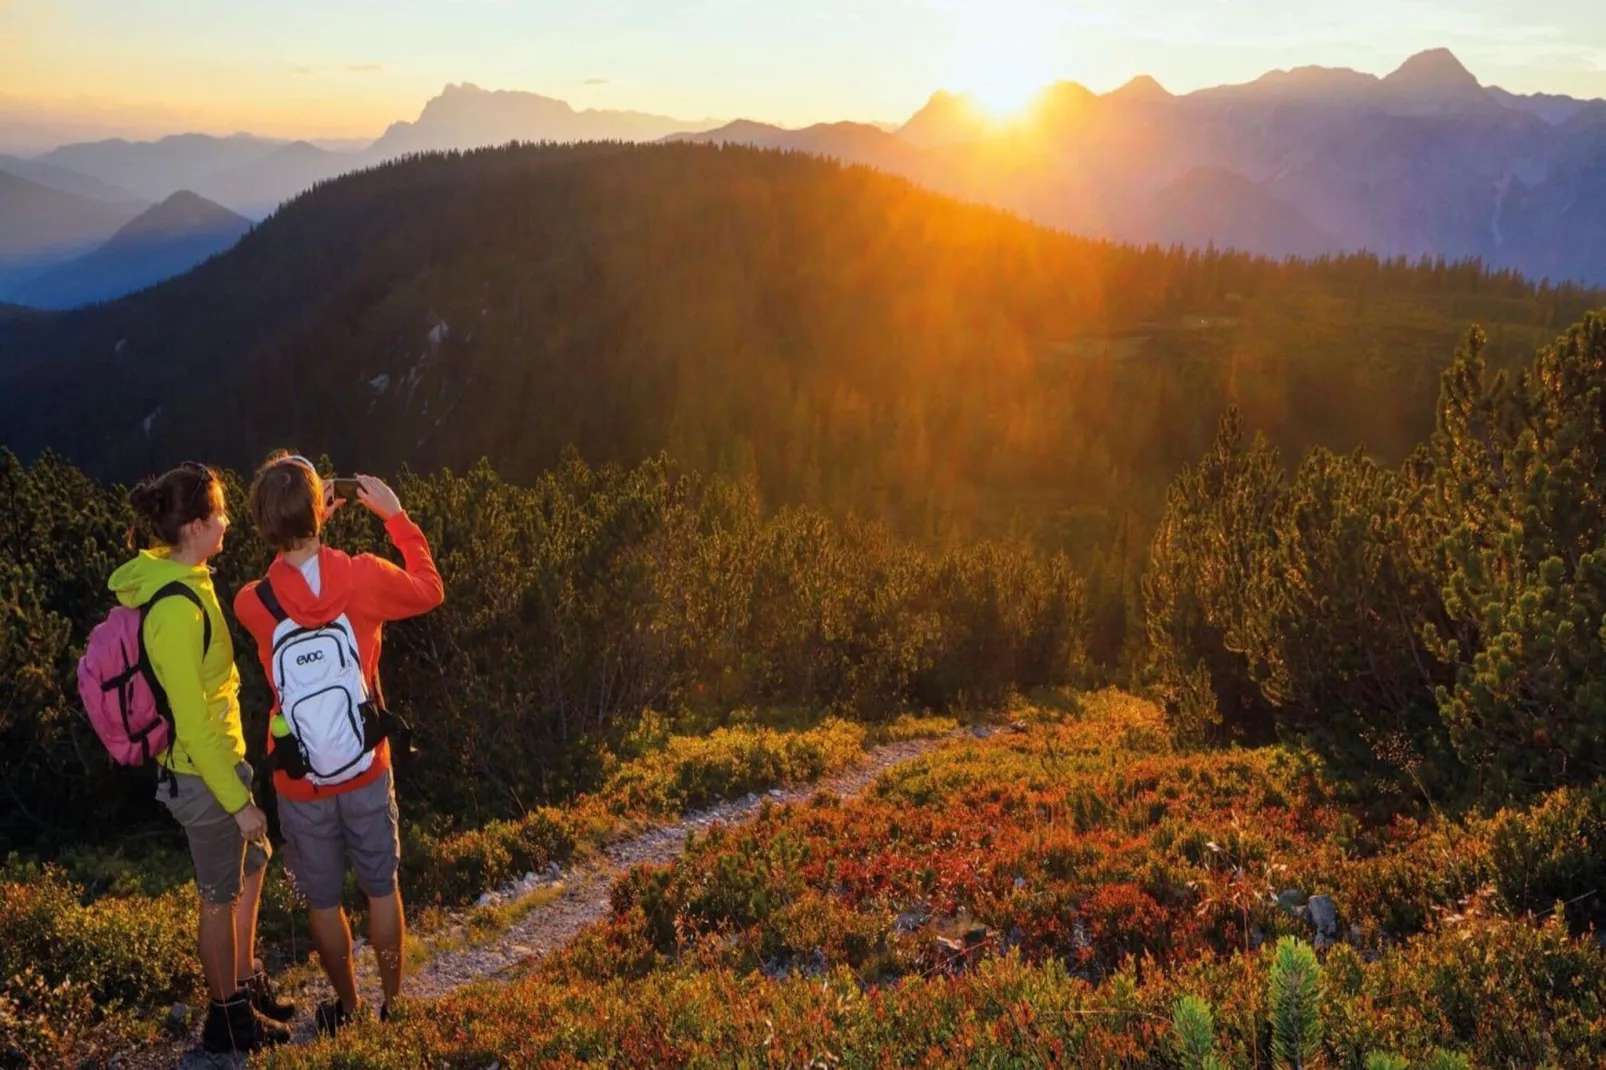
318, 678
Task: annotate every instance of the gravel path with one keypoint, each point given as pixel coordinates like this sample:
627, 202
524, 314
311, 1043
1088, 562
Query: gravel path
581, 893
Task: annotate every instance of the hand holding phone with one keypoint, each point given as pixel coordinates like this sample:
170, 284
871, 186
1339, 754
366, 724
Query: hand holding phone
368, 491
379, 498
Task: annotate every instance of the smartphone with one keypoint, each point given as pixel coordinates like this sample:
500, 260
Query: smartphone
346, 488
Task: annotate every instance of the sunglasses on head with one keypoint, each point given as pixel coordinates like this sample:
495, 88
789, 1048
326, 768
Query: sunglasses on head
201, 484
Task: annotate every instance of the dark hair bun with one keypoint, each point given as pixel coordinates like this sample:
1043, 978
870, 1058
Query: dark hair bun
146, 498
163, 505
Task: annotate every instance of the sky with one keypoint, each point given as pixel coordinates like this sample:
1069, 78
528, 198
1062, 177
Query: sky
71, 69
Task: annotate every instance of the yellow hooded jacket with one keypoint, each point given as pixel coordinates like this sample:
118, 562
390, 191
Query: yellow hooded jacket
204, 693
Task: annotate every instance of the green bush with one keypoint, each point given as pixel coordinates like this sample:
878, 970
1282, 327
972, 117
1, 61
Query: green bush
1203, 561
692, 772
48, 1023
576, 607
1553, 853
456, 868
1434, 627
1504, 993
137, 951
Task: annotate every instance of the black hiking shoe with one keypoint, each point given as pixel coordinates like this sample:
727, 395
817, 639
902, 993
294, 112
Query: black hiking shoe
266, 1001
233, 1025
332, 1016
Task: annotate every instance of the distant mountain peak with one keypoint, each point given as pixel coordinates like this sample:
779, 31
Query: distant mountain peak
1317, 77
749, 126
1065, 92
1428, 83
166, 239
1061, 105
468, 95
1437, 69
948, 106
186, 200
948, 118
464, 116
739, 131
1301, 85
183, 212
1141, 88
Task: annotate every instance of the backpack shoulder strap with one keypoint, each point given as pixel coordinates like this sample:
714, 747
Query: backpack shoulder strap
179, 589
164, 708
270, 601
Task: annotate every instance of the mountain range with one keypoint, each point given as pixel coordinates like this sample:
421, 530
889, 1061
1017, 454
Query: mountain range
165, 240
253, 175
1424, 161
840, 333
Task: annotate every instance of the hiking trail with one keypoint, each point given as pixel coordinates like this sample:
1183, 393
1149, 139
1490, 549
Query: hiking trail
575, 897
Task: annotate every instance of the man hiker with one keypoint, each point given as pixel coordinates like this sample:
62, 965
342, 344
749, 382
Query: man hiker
317, 618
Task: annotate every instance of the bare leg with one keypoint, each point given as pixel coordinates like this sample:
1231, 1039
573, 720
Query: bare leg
331, 935
387, 931
245, 925
216, 930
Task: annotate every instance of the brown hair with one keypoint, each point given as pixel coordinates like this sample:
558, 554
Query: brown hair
164, 504
287, 500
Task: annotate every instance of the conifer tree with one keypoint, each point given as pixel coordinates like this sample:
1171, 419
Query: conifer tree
1295, 991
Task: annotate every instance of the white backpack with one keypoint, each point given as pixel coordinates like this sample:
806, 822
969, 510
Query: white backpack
317, 675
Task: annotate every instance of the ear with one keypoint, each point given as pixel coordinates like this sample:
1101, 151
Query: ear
190, 532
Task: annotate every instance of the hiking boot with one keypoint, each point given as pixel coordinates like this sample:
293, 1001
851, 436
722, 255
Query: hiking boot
332, 1016
266, 1001
233, 1025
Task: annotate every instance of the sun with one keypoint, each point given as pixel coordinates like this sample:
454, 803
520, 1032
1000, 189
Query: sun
1003, 68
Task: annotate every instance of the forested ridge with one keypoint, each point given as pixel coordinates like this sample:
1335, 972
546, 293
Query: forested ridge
851, 340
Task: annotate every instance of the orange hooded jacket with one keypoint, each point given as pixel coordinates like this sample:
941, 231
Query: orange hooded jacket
370, 591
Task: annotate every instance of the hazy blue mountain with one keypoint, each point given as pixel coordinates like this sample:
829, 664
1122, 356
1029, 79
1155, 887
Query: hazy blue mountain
156, 169
257, 188
46, 174
41, 227
166, 240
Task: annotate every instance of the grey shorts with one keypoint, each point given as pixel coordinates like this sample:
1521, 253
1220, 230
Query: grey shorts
321, 836
222, 857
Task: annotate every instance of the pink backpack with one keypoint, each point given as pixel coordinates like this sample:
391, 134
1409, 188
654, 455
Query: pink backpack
126, 704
